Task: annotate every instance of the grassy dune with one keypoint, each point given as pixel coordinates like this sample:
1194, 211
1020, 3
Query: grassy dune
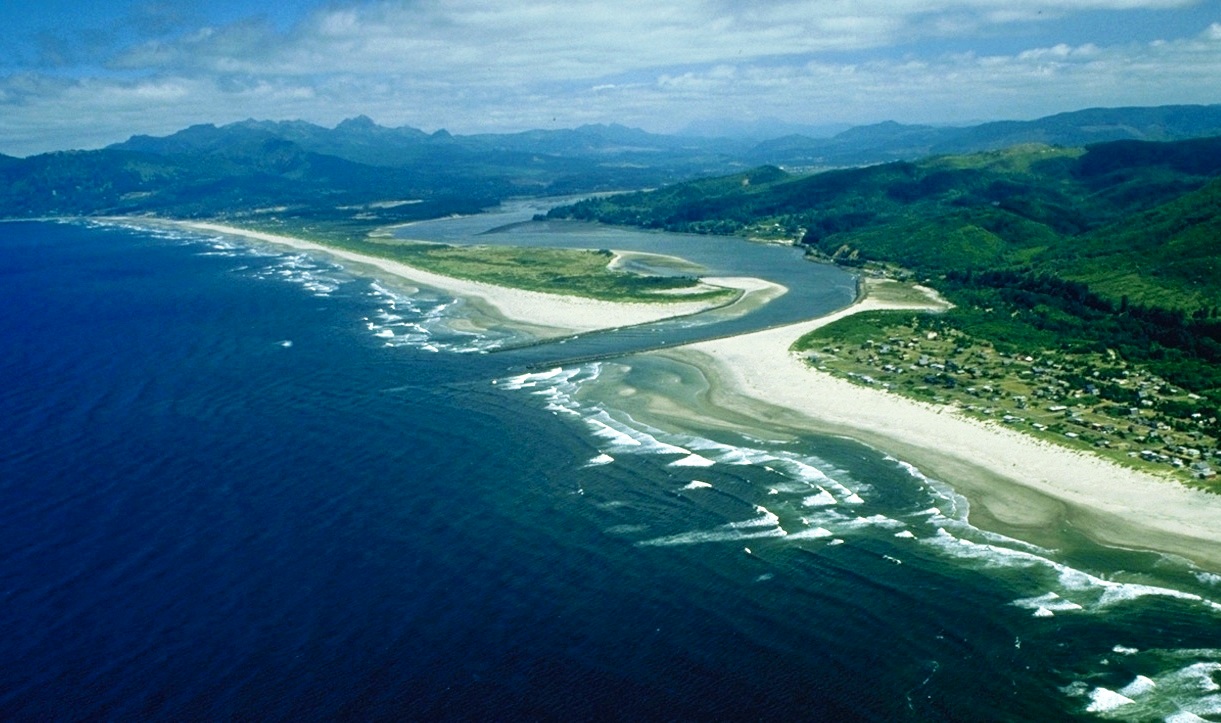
574, 272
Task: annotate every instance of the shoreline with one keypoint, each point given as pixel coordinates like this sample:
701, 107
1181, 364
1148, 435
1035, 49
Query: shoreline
1011, 480
546, 315
1028, 487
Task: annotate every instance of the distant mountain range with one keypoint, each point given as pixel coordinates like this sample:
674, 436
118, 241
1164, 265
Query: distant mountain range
298, 168
892, 141
1134, 219
1109, 250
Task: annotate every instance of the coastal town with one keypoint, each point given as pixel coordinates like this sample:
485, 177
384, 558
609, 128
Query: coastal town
1090, 402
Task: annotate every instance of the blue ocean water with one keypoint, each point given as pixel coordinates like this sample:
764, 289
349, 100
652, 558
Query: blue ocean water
244, 483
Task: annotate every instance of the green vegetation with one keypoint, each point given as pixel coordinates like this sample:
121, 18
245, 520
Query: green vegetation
359, 170
1110, 247
558, 271
256, 170
1090, 263
1084, 400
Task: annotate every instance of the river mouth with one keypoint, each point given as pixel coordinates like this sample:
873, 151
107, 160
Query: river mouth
812, 289
597, 521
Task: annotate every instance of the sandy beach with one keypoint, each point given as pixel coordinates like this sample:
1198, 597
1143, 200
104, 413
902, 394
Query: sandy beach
547, 315
1013, 481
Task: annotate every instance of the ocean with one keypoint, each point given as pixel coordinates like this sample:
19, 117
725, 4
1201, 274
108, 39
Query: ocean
240, 482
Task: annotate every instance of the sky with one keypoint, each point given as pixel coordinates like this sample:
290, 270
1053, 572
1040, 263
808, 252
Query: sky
80, 75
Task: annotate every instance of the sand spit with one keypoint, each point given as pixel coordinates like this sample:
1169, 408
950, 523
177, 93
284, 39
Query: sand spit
1010, 478
553, 314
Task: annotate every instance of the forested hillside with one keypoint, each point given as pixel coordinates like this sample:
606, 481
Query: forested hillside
1111, 248
359, 170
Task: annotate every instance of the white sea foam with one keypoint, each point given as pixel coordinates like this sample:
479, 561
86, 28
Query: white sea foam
737, 457
990, 555
811, 533
728, 454
805, 472
421, 322
801, 484
704, 536
1201, 677
1118, 592
1103, 700
823, 498
911, 469
766, 518
875, 521
1138, 687
1122, 592
550, 374
600, 460
514, 383
692, 460
845, 494
1046, 605
625, 435
1188, 693
614, 436
766, 524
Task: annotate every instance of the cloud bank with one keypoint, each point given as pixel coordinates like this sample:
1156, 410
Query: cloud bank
478, 66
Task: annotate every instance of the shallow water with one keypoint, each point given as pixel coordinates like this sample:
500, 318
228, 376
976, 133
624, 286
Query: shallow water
243, 482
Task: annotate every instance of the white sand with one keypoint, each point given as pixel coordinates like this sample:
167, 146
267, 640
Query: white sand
560, 313
1016, 479
1110, 503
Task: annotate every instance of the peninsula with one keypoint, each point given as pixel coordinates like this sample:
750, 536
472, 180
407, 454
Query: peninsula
1014, 481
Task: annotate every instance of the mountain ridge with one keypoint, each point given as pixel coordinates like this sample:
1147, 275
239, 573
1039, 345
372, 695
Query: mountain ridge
249, 165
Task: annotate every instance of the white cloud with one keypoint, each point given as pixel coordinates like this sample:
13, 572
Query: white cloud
470, 65
491, 43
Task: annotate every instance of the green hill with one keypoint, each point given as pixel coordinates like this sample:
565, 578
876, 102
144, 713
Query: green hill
1082, 250
1168, 256
1144, 206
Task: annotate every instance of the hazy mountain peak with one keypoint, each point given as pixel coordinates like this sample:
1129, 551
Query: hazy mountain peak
359, 123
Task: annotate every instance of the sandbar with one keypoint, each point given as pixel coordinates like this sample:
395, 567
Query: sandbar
1010, 478
547, 315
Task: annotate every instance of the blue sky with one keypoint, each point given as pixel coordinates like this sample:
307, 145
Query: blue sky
82, 75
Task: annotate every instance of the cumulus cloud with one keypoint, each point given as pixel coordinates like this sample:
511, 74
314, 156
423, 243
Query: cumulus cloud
471, 65
485, 42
